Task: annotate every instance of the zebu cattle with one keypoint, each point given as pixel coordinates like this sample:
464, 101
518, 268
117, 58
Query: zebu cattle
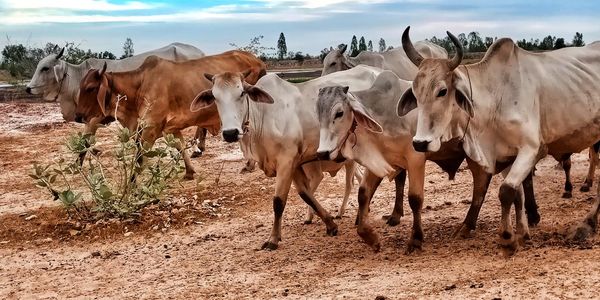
510, 107
394, 60
159, 93
56, 79
277, 124
359, 126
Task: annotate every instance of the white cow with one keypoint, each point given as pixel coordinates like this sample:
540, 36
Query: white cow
513, 106
360, 126
394, 60
278, 127
56, 79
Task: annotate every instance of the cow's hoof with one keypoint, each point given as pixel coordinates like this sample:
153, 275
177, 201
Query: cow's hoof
584, 230
307, 222
391, 220
269, 246
462, 232
413, 245
508, 243
96, 152
533, 219
369, 236
188, 176
196, 153
567, 195
246, 170
333, 231
585, 188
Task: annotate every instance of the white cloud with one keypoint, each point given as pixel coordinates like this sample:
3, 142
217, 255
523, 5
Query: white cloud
76, 5
312, 4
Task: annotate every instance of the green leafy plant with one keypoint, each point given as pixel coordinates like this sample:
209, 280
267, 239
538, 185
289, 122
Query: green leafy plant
114, 184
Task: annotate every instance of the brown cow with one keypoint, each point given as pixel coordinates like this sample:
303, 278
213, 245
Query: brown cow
160, 93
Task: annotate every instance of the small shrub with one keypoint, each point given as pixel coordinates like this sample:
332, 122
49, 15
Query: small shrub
97, 189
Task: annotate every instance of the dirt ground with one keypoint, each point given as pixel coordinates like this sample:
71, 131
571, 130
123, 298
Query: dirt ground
204, 242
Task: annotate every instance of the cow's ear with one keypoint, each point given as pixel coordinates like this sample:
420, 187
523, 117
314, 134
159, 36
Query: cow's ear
407, 102
361, 115
464, 102
209, 76
103, 95
202, 100
59, 72
257, 94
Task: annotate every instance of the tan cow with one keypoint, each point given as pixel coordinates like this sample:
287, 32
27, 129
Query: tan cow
160, 93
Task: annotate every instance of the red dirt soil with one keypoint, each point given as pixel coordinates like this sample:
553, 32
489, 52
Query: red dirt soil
203, 242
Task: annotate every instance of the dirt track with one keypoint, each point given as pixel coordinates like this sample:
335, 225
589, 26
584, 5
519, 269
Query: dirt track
204, 244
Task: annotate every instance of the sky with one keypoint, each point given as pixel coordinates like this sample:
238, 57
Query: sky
309, 25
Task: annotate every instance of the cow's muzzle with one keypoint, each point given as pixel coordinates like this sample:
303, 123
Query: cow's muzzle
420, 146
323, 155
231, 135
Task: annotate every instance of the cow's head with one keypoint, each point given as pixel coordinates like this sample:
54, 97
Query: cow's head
434, 91
336, 61
338, 110
94, 97
231, 93
48, 74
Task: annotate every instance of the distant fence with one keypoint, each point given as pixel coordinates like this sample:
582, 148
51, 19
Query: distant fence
14, 93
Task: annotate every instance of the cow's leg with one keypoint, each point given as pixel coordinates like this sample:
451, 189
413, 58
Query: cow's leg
589, 179
566, 165
304, 185
249, 167
398, 212
366, 190
350, 167
509, 191
481, 183
316, 179
590, 223
189, 169
358, 174
283, 181
521, 218
531, 208
416, 178
199, 143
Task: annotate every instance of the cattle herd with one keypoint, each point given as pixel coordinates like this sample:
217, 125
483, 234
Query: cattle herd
389, 112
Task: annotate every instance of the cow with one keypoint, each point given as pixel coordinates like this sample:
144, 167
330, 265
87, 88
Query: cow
359, 126
58, 80
394, 60
159, 93
510, 107
276, 122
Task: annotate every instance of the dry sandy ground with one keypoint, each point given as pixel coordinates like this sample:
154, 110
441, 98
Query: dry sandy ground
194, 248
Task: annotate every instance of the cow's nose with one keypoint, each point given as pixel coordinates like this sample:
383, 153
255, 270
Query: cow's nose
323, 155
420, 146
231, 135
28, 90
78, 118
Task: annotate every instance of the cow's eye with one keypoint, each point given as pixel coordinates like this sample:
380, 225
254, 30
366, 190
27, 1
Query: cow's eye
333, 63
338, 115
243, 93
45, 69
442, 93
90, 89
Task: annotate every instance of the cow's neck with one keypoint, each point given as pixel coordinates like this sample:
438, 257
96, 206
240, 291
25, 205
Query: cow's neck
125, 91
370, 150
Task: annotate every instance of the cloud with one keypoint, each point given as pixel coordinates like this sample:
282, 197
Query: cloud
76, 5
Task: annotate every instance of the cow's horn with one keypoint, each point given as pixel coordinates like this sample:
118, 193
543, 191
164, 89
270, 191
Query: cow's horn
103, 69
60, 54
409, 49
455, 61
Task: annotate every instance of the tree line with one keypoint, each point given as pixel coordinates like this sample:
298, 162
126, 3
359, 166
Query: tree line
473, 42
20, 60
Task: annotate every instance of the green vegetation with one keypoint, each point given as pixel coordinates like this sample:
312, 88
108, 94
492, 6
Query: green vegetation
119, 187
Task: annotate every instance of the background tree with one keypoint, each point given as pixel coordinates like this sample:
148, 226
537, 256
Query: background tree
362, 44
127, 48
475, 42
578, 40
560, 43
547, 43
382, 45
255, 47
462, 38
354, 46
370, 46
488, 41
281, 46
